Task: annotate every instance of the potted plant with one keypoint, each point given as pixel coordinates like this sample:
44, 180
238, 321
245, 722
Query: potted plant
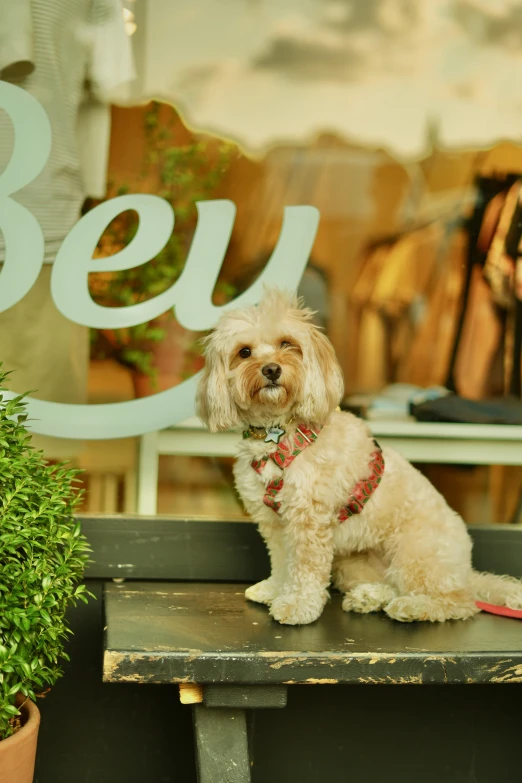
42, 558
159, 353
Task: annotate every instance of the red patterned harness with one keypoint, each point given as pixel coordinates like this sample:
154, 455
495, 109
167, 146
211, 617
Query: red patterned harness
289, 449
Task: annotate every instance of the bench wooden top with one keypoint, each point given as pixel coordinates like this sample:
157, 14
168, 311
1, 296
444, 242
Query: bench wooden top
165, 632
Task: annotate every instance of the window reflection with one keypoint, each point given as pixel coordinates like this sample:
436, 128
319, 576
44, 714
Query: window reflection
389, 117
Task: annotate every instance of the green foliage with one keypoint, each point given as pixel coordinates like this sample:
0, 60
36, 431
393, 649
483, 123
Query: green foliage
42, 558
186, 174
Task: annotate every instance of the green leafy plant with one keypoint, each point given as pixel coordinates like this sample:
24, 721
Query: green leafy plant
42, 558
186, 174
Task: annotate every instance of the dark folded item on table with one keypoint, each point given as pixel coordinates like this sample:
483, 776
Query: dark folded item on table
357, 410
504, 410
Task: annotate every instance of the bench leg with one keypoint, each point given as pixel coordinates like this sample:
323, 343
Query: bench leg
221, 745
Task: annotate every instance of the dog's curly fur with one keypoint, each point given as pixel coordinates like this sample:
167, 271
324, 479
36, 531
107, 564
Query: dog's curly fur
407, 553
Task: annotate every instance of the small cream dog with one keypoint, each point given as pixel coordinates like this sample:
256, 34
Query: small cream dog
329, 504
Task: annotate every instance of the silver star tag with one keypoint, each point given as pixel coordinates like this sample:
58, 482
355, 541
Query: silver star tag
274, 435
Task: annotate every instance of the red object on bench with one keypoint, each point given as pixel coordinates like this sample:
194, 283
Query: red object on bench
502, 610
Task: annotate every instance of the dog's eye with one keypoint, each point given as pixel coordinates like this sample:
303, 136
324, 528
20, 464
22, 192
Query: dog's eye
245, 352
286, 344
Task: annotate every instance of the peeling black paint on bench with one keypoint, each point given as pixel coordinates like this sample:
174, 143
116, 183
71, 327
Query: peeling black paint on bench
208, 633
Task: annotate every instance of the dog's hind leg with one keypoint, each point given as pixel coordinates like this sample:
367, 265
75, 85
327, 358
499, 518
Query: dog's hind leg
430, 565
361, 577
432, 608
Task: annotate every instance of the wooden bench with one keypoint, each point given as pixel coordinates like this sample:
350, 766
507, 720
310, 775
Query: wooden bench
230, 659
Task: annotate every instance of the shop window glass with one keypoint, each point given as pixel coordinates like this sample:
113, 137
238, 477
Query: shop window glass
172, 157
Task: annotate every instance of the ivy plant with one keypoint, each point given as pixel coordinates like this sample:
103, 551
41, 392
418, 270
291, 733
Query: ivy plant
182, 175
42, 558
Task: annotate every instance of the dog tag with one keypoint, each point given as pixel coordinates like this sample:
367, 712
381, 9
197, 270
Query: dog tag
274, 435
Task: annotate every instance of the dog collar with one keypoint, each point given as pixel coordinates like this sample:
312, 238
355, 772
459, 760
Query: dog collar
269, 435
290, 448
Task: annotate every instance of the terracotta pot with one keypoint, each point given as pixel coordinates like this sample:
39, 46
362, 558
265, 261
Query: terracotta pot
169, 358
17, 753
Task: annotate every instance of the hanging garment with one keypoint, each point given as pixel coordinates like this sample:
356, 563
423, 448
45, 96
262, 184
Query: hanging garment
426, 363
392, 283
369, 363
518, 272
499, 269
110, 72
485, 358
479, 341
77, 57
16, 50
63, 52
47, 354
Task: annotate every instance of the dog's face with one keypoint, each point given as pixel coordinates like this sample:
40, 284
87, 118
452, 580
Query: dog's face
267, 364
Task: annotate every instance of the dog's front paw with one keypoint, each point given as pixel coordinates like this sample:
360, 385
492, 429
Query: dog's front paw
297, 610
263, 592
364, 598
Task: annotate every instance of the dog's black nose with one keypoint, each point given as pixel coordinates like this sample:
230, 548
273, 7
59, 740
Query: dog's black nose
272, 372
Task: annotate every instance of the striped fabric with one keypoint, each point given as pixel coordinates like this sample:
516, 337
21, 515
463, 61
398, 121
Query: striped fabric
62, 39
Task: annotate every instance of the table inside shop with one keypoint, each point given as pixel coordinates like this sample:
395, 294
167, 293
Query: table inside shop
471, 444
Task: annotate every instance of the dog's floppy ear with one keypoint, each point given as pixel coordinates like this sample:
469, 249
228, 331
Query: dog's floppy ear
213, 403
323, 386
